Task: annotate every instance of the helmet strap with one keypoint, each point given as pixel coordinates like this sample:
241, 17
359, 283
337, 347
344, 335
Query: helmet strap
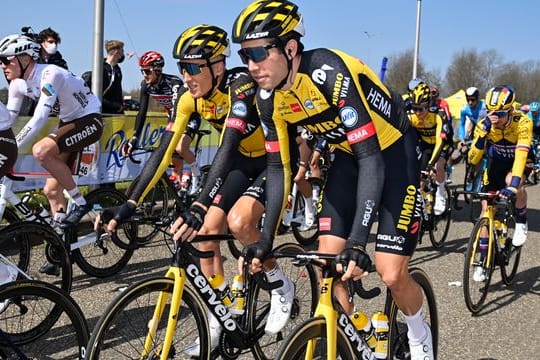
214, 79
281, 47
23, 68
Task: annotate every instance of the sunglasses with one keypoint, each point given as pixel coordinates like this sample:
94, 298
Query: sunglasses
147, 71
6, 60
194, 69
419, 108
255, 54
499, 114
472, 99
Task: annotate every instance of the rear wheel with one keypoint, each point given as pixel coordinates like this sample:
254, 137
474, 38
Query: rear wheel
441, 223
475, 289
304, 236
109, 254
510, 254
397, 335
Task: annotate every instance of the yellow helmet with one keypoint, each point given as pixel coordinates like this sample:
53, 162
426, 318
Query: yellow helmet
201, 42
267, 19
421, 94
500, 98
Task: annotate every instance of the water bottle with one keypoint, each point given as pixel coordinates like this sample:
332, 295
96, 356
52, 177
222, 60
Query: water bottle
224, 292
238, 292
362, 323
379, 321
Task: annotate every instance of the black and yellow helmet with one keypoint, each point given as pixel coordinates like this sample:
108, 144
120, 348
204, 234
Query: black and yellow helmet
500, 98
267, 19
201, 42
421, 94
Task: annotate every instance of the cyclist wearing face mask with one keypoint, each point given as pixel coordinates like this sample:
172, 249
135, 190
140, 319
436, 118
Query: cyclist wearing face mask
49, 54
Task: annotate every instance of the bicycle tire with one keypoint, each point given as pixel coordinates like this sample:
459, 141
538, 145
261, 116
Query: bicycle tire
155, 205
111, 253
10, 217
29, 245
397, 335
122, 329
306, 298
510, 255
305, 237
441, 223
294, 347
59, 333
472, 288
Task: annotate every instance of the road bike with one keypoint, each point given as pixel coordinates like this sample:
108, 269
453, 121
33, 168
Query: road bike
330, 333
436, 226
161, 317
40, 321
497, 223
96, 253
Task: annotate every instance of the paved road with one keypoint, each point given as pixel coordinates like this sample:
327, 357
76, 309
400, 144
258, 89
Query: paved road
506, 329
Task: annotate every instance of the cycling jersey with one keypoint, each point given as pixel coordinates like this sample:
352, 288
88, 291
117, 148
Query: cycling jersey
163, 92
8, 146
50, 84
336, 97
472, 115
510, 143
430, 130
536, 122
231, 104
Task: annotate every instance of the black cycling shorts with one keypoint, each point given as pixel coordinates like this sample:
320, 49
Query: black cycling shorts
8, 151
400, 210
495, 174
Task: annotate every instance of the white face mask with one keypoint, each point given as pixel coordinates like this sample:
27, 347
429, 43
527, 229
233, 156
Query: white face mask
51, 49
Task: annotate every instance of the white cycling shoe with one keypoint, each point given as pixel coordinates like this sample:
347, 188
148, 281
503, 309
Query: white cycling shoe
424, 349
194, 349
440, 205
520, 234
280, 309
478, 274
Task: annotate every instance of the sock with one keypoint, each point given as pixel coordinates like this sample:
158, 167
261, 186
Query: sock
521, 215
440, 189
76, 196
276, 274
195, 171
309, 207
417, 329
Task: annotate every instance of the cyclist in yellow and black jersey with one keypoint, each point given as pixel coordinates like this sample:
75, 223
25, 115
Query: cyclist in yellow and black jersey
375, 168
433, 143
507, 136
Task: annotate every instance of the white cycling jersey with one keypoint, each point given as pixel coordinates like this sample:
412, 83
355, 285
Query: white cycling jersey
49, 84
5, 118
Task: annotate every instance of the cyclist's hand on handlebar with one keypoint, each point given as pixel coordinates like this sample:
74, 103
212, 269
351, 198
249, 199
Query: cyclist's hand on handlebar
357, 261
128, 147
508, 193
255, 254
116, 215
188, 223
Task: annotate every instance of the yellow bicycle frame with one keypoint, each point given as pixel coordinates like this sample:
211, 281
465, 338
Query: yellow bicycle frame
179, 277
490, 215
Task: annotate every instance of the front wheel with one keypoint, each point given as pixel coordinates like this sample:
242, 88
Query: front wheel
509, 255
313, 332
397, 335
107, 255
441, 223
123, 329
305, 236
477, 269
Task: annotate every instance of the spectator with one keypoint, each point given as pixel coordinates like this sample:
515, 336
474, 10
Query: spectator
112, 78
49, 54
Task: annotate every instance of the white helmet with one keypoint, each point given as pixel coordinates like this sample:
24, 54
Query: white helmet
15, 44
472, 92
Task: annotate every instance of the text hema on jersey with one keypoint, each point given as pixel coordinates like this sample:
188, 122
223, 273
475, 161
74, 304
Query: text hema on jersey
380, 102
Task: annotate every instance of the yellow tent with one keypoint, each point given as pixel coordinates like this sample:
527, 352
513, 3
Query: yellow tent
456, 102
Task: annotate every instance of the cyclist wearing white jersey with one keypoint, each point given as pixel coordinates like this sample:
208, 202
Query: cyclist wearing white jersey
80, 121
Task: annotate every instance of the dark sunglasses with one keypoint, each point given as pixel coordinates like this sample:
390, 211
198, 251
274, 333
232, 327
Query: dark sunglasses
6, 60
471, 99
194, 69
499, 114
419, 108
147, 71
255, 54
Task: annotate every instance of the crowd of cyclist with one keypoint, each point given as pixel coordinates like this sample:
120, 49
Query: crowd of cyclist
375, 137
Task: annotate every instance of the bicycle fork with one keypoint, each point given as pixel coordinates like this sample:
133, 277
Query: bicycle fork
179, 277
325, 309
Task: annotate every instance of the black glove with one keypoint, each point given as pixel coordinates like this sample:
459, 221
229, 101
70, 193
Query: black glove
194, 217
261, 249
356, 254
119, 213
130, 146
